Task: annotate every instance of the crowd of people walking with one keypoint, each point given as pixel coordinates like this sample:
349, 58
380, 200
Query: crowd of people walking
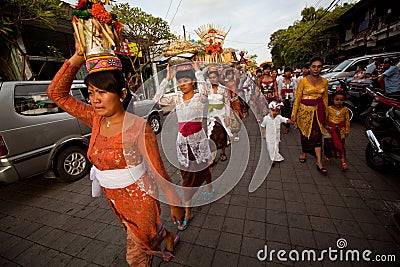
129, 172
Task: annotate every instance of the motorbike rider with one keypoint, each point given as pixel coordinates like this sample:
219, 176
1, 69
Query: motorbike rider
391, 77
377, 65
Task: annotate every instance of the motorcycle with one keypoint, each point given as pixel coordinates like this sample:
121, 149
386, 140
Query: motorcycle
383, 150
379, 107
358, 100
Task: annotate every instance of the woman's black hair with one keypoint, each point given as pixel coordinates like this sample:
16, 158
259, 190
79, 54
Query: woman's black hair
317, 59
112, 81
288, 69
361, 66
338, 92
228, 71
267, 66
213, 72
186, 74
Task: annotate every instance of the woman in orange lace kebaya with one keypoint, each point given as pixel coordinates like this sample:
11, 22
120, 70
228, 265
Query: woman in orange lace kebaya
309, 112
128, 191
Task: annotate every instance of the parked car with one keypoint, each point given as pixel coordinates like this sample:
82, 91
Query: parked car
347, 68
36, 136
148, 109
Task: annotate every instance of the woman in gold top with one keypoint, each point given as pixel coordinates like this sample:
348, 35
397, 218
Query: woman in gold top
309, 112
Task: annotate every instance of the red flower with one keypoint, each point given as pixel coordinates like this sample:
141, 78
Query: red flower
118, 28
81, 5
101, 13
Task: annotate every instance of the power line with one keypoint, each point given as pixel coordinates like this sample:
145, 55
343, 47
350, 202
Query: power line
172, 20
170, 3
315, 23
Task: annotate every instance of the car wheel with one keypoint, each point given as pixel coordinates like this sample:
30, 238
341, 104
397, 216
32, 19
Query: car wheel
72, 164
155, 123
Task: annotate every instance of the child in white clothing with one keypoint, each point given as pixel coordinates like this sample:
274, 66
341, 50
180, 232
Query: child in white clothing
272, 129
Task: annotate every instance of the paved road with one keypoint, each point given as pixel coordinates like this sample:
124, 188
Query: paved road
47, 223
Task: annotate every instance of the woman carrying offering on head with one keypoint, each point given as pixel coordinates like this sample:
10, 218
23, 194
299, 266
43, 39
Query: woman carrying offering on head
309, 112
232, 83
126, 181
193, 148
218, 119
286, 89
267, 85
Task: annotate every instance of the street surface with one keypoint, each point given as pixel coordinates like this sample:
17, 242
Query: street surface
47, 223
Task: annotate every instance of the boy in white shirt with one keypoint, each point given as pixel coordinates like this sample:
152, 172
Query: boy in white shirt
272, 130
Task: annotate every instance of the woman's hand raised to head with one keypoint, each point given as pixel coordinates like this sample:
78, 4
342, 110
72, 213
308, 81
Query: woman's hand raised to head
170, 73
77, 58
195, 64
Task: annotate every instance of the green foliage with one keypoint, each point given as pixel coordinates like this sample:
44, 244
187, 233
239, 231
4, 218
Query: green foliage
14, 12
144, 29
315, 34
141, 27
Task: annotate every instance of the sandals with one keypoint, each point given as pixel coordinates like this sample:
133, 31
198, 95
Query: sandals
344, 167
169, 254
208, 195
328, 160
303, 159
185, 224
223, 157
322, 170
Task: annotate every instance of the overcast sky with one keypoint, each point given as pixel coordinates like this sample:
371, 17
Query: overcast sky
251, 22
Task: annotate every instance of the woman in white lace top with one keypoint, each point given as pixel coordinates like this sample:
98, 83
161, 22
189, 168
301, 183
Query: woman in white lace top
218, 119
193, 148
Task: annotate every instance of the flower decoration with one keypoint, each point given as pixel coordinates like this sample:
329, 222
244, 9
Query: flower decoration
96, 29
118, 27
101, 13
214, 49
82, 4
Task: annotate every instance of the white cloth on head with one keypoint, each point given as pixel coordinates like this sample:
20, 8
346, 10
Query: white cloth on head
223, 113
274, 104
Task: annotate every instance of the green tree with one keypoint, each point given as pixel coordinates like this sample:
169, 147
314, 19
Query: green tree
315, 34
146, 31
13, 15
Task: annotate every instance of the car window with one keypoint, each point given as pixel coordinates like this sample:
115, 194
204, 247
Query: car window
32, 100
77, 94
342, 65
363, 63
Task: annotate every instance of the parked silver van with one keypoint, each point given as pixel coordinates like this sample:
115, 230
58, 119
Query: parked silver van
37, 136
347, 68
